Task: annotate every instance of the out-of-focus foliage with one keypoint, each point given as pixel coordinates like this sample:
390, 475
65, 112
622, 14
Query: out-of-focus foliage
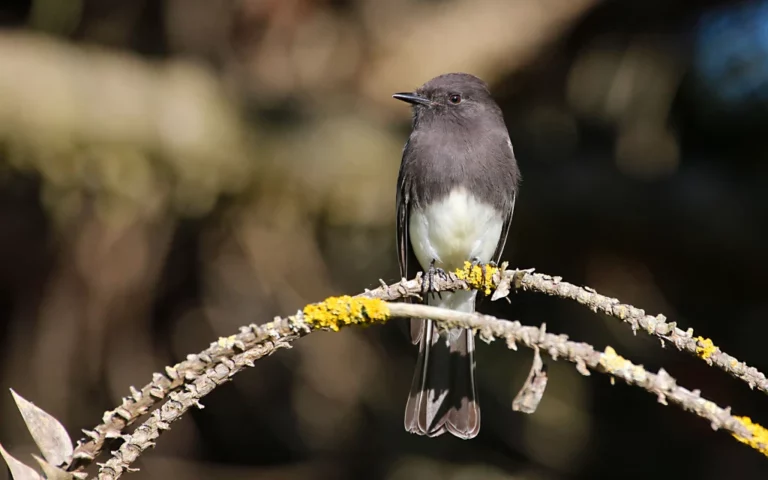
172, 170
732, 53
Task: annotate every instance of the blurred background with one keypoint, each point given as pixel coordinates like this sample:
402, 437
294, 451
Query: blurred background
173, 169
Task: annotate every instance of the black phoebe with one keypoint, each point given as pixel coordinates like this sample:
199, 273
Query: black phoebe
455, 197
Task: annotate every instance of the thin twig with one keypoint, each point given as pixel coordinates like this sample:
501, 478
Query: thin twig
254, 342
179, 403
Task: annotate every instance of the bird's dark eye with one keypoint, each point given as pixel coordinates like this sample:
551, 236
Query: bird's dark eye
454, 98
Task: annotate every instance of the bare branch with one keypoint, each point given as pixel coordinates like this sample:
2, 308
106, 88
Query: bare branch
179, 402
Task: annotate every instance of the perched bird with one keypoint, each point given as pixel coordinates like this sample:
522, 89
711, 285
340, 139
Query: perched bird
456, 193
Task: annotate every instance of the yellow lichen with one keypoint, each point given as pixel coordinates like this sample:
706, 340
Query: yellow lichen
759, 440
704, 347
613, 362
336, 312
478, 277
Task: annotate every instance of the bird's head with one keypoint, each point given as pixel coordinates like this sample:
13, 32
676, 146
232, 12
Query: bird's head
452, 96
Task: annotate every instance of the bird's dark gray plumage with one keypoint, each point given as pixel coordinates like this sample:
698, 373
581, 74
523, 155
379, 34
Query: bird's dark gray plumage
456, 194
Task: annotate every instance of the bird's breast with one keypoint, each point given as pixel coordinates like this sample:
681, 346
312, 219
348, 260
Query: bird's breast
454, 229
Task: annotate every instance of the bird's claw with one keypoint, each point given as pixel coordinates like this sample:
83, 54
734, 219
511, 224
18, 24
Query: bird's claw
430, 279
475, 262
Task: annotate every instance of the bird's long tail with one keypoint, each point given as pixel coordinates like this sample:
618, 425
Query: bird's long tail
443, 396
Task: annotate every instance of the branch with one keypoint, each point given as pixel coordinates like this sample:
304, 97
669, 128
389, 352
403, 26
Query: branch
179, 402
496, 281
587, 358
657, 326
45, 122
255, 342
499, 282
513, 34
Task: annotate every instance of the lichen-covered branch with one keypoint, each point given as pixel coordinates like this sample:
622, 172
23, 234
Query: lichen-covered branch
254, 342
265, 338
656, 325
231, 355
587, 358
497, 282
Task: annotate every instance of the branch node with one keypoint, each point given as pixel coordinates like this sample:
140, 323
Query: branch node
581, 367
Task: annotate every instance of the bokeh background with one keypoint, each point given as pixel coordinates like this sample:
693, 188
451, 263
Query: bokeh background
173, 169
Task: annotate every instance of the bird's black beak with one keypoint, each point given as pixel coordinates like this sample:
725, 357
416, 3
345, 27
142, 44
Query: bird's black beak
412, 98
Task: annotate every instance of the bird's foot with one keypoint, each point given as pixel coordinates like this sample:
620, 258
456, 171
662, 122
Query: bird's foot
475, 262
429, 285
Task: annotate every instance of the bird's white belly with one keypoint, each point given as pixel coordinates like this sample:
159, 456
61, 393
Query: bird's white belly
453, 230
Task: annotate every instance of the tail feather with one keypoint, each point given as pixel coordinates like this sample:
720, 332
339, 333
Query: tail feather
417, 330
443, 395
464, 419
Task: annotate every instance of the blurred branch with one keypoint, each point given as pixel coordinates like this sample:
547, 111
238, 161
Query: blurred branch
513, 34
496, 281
254, 342
150, 133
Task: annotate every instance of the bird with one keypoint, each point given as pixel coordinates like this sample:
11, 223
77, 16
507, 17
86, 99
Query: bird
456, 191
